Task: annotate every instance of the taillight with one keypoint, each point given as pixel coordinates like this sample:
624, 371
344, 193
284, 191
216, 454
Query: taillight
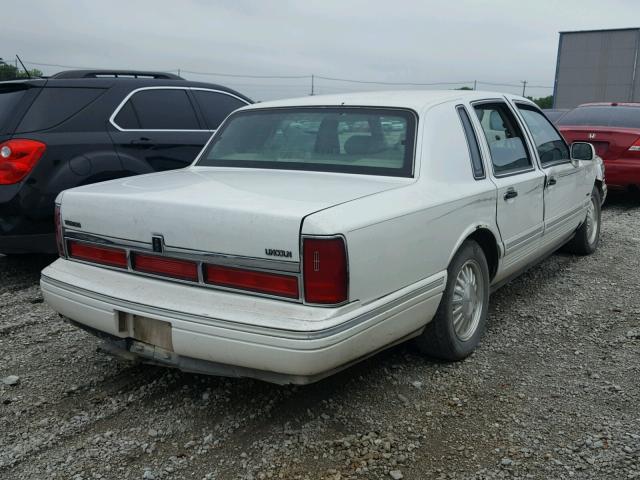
325, 270
114, 257
252, 280
635, 147
58, 227
168, 267
17, 159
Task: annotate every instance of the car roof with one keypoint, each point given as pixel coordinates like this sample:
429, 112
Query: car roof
410, 99
128, 82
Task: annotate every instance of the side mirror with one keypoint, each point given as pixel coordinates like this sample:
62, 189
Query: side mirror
582, 151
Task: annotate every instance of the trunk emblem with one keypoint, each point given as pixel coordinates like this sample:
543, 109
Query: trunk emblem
157, 242
277, 253
592, 136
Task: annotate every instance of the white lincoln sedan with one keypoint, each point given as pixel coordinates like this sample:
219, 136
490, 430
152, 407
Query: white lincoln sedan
311, 233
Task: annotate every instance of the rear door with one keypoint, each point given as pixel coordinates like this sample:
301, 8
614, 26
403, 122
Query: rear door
519, 209
159, 127
564, 197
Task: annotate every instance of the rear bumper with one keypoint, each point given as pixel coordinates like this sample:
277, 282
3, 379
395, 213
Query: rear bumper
230, 334
623, 172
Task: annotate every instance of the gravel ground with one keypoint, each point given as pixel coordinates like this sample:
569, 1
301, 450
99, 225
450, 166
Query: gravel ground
551, 393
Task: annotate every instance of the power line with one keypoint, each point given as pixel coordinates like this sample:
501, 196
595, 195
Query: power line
214, 74
312, 78
415, 84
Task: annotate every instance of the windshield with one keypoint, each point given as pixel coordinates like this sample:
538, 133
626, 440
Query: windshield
9, 98
368, 141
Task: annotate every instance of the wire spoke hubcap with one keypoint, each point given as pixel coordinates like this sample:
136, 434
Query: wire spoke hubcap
468, 300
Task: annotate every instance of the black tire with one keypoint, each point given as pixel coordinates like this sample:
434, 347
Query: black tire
439, 338
585, 241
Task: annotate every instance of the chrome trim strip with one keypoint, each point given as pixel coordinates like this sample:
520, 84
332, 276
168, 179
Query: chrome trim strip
200, 261
564, 217
431, 289
133, 92
227, 260
523, 240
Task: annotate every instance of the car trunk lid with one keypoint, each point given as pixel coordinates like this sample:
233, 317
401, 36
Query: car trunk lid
610, 143
239, 212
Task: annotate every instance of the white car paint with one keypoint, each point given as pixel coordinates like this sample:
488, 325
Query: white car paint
401, 234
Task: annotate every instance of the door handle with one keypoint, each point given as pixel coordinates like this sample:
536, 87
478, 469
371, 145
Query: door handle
551, 181
511, 193
140, 141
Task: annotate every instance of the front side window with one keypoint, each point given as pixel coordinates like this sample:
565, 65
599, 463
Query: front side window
505, 138
550, 145
158, 109
368, 141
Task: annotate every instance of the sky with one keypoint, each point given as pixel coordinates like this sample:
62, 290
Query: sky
402, 41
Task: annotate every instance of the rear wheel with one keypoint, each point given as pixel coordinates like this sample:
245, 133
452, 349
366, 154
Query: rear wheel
461, 319
587, 236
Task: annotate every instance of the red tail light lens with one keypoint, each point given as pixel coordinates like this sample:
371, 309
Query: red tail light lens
169, 267
252, 280
325, 270
58, 226
635, 147
113, 257
17, 159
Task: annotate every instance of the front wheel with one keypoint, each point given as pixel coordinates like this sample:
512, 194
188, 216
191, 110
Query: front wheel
461, 319
587, 236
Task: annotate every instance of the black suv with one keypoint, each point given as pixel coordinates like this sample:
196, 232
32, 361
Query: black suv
79, 127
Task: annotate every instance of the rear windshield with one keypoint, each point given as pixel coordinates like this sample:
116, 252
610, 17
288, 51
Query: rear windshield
9, 99
55, 105
368, 141
603, 116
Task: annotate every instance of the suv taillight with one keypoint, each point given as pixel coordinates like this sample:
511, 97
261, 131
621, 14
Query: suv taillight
635, 147
325, 270
17, 159
58, 226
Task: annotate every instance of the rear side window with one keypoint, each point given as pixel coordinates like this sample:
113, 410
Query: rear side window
506, 141
472, 142
158, 109
55, 105
9, 99
603, 116
550, 145
216, 106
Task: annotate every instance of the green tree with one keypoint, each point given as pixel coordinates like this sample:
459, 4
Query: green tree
543, 102
10, 72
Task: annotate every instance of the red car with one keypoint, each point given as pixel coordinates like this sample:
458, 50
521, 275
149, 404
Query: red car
614, 130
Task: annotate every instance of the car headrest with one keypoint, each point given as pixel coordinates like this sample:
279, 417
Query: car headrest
359, 144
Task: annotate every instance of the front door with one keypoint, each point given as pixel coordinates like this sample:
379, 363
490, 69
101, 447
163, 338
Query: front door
519, 209
564, 197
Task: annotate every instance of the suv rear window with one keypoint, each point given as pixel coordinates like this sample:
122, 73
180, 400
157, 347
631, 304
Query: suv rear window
216, 106
10, 97
55, 105
603, 116
368, 141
